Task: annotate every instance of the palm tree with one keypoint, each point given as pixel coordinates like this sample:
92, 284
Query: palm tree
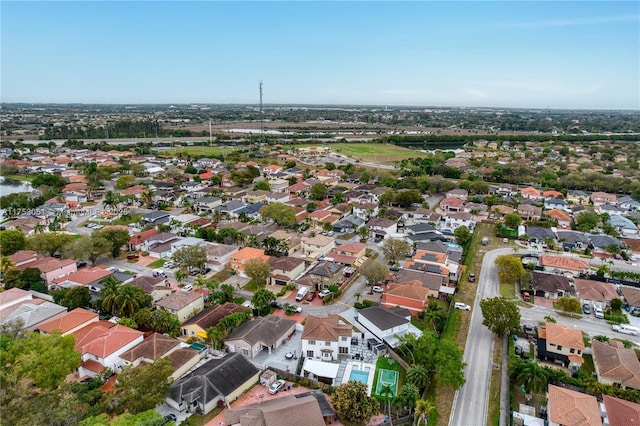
110, 286
418, 375
5, 265
181, 275
385, 391
357, 296
147, 198
363, 232
216, 216
423, 408
532, 377
129, 300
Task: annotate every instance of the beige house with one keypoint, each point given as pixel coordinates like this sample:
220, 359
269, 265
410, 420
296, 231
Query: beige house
197, 326
285, 269
294, 242
315, 247
257, 196
157, 288
182, 304
326, 339
559, 343
260, 333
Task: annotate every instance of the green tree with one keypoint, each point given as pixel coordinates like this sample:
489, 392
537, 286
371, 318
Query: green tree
374, 273
587, 220
261, 299
394, 249
159, 320
569, 304
318, 191
117, 238
274, 247
512, 220
110, 287
5, 265
12, 241
407, 198
387, 197
501, 316
88, 248
282, 214
71, 298
351, 402
616, 304
224, 294
532, 376
463, 235
262, 185
510, 268
258, 270
49, 243
48, 179
142, 388
13, 279
364, 233
189, 257
418, 375
44, 358
449, 371
423, 409
125, 181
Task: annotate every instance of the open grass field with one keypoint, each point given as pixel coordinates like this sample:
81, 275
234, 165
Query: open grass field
373, 152
194, 150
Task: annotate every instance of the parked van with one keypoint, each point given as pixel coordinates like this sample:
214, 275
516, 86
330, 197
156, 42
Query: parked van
302, 292
626, 329
485, 241
598, 313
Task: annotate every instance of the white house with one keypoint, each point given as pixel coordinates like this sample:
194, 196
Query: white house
191, 186
452, 221
325, 338
387, 323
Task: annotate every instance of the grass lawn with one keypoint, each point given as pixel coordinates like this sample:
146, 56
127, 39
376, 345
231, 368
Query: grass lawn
496, 376
508, 290
24, 178
374, 152
194, 150
157, 264
223, 275
198, 420
126, 220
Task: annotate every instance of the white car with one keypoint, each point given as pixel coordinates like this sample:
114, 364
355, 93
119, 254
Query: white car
324, 293
276, 386
377, 289
462, 306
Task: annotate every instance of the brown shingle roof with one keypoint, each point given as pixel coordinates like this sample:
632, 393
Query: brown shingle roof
550, 282
632, 295
209, 317
595, 290
178, 300
152, 348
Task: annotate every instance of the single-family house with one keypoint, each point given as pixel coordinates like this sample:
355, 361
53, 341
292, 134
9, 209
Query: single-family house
624, 226
599, 198
156, 287
451, 204
620, 412
595, 292
101, 348
293, 242
157, 346
260, 333
411, 295
577, 196
382, 228
69, 322
197, 325
556, 203
452, 221
191, 186
550, 286
87, 277
31, 313
318, 246
632, 298
570, 408
321, 276
387, 324
51, 268
182, 304
326, 338
572, 240
531, 193
207, 203
156, 217
560, 343
308, 409
349, 254
615, 365
561, 216
529, 212
241, 257
435, 282
563, 265
460, 193
601, 243
285, 269
219, 255
218, 381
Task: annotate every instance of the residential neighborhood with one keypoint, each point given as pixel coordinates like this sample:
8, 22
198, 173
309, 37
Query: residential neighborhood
261, 285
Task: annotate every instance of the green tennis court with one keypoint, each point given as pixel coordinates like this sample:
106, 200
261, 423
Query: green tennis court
387, 378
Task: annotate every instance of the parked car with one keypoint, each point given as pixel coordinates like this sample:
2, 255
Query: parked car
586, 309
159, 273
276, 304
292, 308
505, 240
311, 296
133, 256
187, 287
463, 306
394, 268
626, 329
598, 313
528, 329
519, 350
81, 264
194, 272
170, 418
324, 293
472, 277
276, 386
169, 265
377, 289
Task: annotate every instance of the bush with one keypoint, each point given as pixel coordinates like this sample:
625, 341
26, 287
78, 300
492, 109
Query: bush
365, 304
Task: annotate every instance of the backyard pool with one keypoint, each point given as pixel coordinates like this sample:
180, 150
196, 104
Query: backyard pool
359, 376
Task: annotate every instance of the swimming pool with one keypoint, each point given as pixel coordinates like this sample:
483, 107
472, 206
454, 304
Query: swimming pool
359, 376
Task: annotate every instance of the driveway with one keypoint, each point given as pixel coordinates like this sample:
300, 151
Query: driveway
543, 302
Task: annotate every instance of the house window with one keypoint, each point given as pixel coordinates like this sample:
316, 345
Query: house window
245, 352
572, 350
312, 342
343, 350
309, 354
345, 338
327, 343
559, 347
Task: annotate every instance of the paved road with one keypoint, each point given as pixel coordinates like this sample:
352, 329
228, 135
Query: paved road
471, 400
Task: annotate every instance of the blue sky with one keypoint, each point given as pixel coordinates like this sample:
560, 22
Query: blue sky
565, 54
